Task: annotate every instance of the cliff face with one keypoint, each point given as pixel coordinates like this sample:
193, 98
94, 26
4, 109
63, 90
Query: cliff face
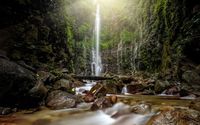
168, 40
172, 35
35, 32
156, 35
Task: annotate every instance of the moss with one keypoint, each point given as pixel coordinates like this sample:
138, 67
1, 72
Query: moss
44, 32
31, 34
166, 59
46, 49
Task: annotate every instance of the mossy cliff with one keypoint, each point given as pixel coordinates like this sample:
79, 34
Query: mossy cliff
172, 35
36, 32
155, 35
166, 38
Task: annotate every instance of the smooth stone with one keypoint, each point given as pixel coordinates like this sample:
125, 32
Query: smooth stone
191, 77
59, 100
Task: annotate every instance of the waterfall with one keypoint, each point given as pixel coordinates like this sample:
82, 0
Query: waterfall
96, 65
135, 56
124, 90
136, 49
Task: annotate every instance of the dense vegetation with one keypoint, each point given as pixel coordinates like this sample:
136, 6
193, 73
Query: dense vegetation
154, 35
148, 47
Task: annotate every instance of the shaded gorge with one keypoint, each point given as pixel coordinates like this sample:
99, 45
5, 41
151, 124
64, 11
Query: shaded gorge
104, 62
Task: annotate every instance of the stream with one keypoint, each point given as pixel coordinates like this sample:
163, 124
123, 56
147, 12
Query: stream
129, 110
100, 62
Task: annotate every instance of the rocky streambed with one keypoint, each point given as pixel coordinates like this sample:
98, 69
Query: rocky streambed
128, 110
41, 97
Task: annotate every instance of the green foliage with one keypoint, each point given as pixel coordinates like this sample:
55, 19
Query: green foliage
127, 36
166, 59
84, 29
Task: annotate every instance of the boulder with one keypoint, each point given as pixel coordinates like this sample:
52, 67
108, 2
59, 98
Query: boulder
101, 103
141, 108
39, 91
5, 111
111, 88
59, 100
135, 88
63, 84
176, 117
98, 90
191, 77
15, 84
46, 77
160, 86
126, 79
89, 98
175, 90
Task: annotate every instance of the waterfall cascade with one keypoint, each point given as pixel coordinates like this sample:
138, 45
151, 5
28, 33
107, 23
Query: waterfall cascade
96, 65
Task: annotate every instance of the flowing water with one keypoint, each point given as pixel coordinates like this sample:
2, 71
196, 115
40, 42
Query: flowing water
82, 116
96, 65
80, 90
124, 90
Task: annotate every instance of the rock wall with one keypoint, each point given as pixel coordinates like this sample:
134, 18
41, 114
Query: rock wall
35, 32
171, 35
168, 40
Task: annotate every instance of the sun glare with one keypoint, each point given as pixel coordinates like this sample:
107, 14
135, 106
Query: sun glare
109, 2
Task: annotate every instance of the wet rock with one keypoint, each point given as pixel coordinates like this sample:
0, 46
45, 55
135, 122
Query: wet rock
42, 75
46, 77
135, 88
5, 111
173, 91
39, 91
101, 103
23, 64
89, 98
195, 104
111, 88
63, 84
141, 108
98, 90
188, 90
113, 99
126, 79
16, 82
77, 83
74, 82
149, 82
60, 99
191, 77
160, 86
176, 117
148, 92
